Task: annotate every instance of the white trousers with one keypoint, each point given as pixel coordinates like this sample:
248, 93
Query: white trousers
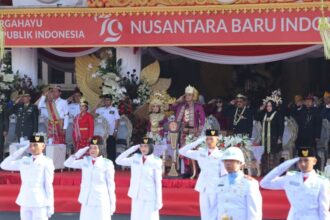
144, 210
95, 212
28, 213
208, 204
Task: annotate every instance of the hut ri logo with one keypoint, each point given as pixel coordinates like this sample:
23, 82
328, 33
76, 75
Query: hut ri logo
111, 29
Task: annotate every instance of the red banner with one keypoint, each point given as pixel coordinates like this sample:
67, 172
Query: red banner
211, 25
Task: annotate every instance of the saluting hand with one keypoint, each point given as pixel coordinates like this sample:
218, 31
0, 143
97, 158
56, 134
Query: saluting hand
20, 151
81, 152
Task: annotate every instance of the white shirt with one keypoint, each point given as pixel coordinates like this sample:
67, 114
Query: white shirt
97, 183
61, 107
37, 180
74, 110
111, 115
241, 200
211, 165
309, 199
146, 178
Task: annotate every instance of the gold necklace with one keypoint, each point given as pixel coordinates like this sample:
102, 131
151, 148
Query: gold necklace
240, 116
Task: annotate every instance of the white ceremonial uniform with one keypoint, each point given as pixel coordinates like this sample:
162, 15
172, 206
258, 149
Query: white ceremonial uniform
97, 192
212, 169
146, 184
309, 199
36, 196
241, 200
111, 115
62, 109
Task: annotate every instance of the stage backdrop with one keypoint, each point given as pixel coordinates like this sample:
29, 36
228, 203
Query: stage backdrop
294, 23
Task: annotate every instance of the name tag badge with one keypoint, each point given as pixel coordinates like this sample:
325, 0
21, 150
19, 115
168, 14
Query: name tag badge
111, 112
294, 183
136, 162
221, 185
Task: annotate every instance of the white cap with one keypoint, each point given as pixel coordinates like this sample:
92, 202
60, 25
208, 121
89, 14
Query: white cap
233, 153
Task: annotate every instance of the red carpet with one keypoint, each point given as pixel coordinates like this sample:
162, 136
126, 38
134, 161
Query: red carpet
179, 197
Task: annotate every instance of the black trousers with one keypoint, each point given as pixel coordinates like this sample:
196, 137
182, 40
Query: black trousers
111, 148
2, 147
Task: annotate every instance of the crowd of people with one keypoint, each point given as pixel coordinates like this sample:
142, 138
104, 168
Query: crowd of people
225, 191
234, 117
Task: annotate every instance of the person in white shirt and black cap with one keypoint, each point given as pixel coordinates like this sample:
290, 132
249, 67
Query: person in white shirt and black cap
110, 113
97, 192
239, 197
146, 180
36, 196
209, 160
307, 191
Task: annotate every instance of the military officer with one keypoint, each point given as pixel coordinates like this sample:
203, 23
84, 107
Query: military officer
239, 196
110, 113
4, 124
212, 168
146, 180
27, 115
97, 192
36, 196
308, 192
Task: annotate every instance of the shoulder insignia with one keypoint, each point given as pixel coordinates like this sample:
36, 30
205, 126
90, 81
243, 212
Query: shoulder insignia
248, 177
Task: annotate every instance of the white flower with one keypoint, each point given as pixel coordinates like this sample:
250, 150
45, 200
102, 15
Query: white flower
90, 66
103, 64
8, 78
94, 75
136, 101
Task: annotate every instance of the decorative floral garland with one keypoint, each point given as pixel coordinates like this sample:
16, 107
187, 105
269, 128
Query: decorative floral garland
117, 85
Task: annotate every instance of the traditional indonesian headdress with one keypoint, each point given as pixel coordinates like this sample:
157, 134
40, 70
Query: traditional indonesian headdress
275, 97
192, 90
161, 99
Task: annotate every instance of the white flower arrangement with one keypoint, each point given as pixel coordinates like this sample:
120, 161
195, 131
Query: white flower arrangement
144, 92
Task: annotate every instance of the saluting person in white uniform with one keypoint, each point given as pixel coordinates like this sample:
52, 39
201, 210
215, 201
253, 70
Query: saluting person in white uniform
307, 192
146, 180
97, 192
36, 196
239, 197
212, 168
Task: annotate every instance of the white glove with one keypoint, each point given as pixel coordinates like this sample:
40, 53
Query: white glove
20, 151
81, 152
159, 206
287, 164
50, 211
201, 139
